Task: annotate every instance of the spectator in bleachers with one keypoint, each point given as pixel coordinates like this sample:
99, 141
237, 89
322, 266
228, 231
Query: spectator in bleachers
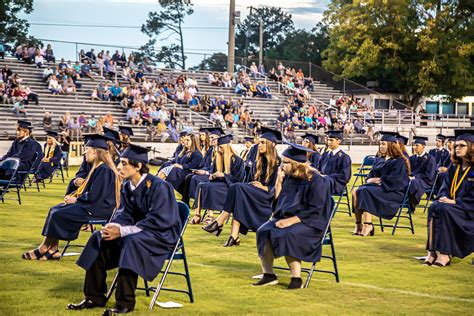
74, 128
110, 69
19, 52
115, 92
2, 50
26, 56
82, 120
47, 121
19, 109
3, 93
82, 56
6, 73
253, 70
91, 56
69, 87
133, 115
47, 73
39, 60
49, 54
54, 85
109, 120
99, 64
92, 124
64, 121
86, 70
30, 95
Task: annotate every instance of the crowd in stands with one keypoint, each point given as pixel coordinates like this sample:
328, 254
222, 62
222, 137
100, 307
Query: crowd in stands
14, 91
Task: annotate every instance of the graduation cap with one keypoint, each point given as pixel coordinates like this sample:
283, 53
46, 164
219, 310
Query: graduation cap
136, 153
441, 137
402, 139
52, 134
126, 130
248, 138
111, 134
335, 134
97, 141
450, 138
296, 152
311, 137
464, 134
271, 134
183, 133
420, 140
226, 139
24, 124
389, 136
215, 131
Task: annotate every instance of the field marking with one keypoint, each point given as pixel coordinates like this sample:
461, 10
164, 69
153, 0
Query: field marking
362, 285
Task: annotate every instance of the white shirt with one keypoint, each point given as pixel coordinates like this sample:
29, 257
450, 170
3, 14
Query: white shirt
130, 229
335, 151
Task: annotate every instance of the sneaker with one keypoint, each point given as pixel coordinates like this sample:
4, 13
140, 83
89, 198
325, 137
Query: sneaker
295, 283
267, 279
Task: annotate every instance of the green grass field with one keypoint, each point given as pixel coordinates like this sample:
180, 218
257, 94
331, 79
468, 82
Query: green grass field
378, 274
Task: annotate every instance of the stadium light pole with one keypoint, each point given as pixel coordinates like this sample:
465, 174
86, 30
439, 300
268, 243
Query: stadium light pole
231, 43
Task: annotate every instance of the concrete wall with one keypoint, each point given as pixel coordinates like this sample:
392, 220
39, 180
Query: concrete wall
357, 153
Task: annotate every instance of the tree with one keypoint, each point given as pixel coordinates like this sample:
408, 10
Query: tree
417, 47
276, 25
301, 45
216, 62
164, 24
13, 29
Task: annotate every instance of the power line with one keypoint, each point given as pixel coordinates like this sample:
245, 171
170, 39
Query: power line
123, 26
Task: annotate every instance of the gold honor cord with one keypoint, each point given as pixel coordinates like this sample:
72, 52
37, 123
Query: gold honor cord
456, 184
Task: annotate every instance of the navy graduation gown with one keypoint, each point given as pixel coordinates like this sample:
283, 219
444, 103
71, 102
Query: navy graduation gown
250, 160
441, 156
338, 168
424, 170
212, 194
198, 178
309, 200
24, 150
40, 156
384, 199
152, 208
177, 175
96, 202
207, 160
250, 205
453, 224
314, 159
174, 158
46, 169
82, 172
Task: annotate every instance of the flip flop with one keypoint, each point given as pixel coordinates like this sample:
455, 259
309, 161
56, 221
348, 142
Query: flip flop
50, 256
36, 252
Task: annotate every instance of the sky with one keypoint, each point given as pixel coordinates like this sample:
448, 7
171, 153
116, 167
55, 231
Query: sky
198, 43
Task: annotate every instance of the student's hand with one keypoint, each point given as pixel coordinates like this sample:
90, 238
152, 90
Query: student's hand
78, 182
284, 223
259, 185
374, 180
110, 232
199, 172
446, 200
70, 199
218, 174
442, 169
178, 166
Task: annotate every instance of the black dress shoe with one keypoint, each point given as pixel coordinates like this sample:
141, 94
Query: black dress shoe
267, 279
213, 227
84, 304
232, 242
295, 283
117, 310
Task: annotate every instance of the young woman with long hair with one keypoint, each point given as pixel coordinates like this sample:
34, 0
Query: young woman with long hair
96, 198
451, 217
227, 169
251, 203
188, 159
386, 185
310, 141
52, 157
301, 213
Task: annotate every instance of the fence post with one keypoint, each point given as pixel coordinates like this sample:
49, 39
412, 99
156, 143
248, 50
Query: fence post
383, 120
310, 69
343, 86
77, 53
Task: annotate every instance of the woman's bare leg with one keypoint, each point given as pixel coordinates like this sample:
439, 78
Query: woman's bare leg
294, 265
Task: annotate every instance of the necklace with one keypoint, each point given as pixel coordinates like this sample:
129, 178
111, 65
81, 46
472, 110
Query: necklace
456, 184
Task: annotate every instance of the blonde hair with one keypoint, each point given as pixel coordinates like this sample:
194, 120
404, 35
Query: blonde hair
302, 170
224, 160
105, 157
272, 160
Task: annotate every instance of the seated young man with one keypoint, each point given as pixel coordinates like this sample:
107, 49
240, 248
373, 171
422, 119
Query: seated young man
137, 240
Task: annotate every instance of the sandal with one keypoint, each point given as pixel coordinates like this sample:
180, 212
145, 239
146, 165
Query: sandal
196, 219
36, 252
208, 220
50, 255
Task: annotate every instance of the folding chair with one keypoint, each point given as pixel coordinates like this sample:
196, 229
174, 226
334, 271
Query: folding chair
364, 169
344, 194
10, 165
30, 174
178, 253
327, 240
430, 192
65, 162
91, 224
59, 169
404, 205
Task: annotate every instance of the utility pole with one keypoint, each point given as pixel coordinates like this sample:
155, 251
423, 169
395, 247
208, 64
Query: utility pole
260, 53
231, 51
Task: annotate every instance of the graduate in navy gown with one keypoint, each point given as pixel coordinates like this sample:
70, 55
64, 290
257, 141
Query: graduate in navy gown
176, 152
96, 198
23, 148
202, 174
402, 143
38, 149
385, 188
335, 163
188, 159
251, 156
228, 168
52, 157
80, 176
137, 240
443, 170
125, 134
451, 217
302, 210
114, 143
310, 141
249, 142
423, 171
251, 203
441, 155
